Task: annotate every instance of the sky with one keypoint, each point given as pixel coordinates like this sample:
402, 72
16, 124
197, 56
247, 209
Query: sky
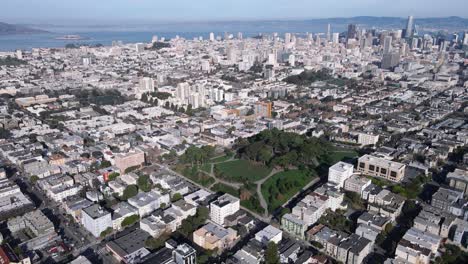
45, 11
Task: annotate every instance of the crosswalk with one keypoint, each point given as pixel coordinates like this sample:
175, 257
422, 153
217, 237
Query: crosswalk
102, 251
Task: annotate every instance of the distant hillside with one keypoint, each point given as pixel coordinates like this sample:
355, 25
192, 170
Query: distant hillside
300, 25
10, 29
448, 23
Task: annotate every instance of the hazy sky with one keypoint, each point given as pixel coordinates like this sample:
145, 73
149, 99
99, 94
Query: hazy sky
101, 10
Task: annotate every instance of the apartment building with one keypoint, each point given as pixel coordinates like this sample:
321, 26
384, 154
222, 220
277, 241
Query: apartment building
213, 236
339, 173
96, 219
224, 206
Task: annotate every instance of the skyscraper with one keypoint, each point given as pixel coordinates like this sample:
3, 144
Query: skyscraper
328, 33
287, 38
390, 60
352, 32
336, 38
409, 27
387, 47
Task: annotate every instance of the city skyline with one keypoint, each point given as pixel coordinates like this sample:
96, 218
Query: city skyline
54, 11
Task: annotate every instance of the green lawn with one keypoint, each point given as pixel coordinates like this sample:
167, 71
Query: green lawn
206, 167
282, 186
340, 155
195, 175
219, 187
241, 171
220, 159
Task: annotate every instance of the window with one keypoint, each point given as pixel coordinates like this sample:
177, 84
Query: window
393, 174
383, 171
371, 167
361, 165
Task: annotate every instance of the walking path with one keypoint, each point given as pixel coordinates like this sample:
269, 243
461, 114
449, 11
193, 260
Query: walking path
259, 183
261, 217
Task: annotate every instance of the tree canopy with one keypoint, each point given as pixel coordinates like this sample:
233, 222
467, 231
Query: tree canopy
130, 192
271, 254
278, 148
196, 155
144, 183
130, 220
11, 61
307, 77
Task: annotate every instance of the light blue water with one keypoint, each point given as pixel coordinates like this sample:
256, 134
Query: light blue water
143, 33
48, 40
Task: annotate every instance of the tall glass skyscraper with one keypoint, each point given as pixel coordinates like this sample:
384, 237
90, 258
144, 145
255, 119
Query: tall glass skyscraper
409, 27
352, 31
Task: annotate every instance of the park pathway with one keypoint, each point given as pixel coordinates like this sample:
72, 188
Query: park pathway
261, 217
259, 184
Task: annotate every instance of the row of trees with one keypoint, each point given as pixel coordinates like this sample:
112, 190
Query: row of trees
278, 148
156, 96
11, 61
308, 77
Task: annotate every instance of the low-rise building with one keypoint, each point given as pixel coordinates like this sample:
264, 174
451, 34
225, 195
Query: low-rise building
146, 203
382, 168
269, 234
458, 180
212, 236
121, 211
129, 248
357, 184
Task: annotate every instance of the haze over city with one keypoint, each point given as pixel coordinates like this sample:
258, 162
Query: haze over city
233, 132
47, 11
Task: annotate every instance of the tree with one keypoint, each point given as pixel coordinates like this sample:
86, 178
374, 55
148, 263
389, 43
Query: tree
130, 192
230, 130
105, 164
144, 183
130, 220
144, 97
106, 232
132, 168
191, 223
271, 254
176, 197
157, 242
113, 176
34, 179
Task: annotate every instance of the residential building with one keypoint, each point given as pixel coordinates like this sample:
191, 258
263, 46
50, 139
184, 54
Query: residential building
96, 219
133, 158
458, 180
184, 254
339, 173
357, 184
224, 206
129, 248
213, 236
269, 234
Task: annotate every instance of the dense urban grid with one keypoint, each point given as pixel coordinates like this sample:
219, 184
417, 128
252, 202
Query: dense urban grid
303, 148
